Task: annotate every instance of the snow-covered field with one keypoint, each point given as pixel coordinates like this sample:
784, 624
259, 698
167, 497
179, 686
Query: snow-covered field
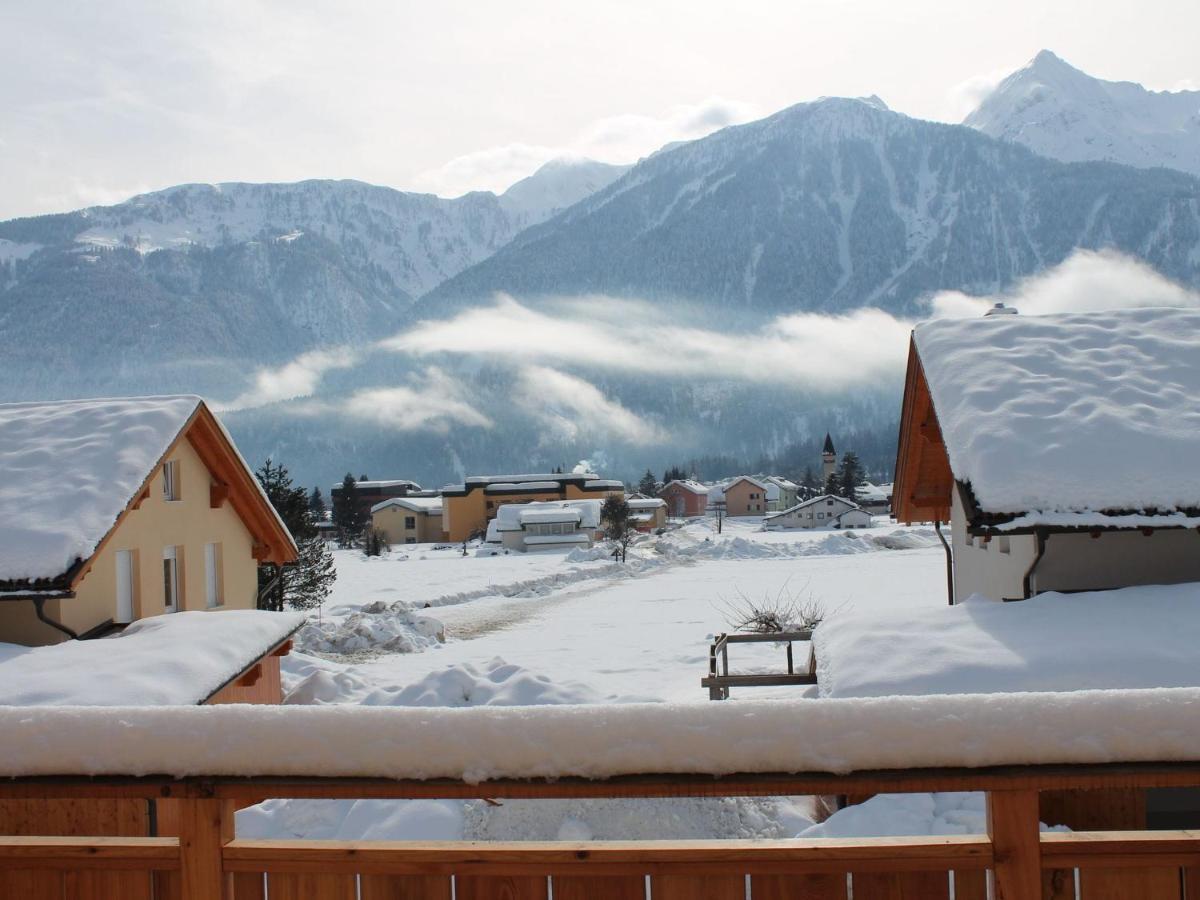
431, 627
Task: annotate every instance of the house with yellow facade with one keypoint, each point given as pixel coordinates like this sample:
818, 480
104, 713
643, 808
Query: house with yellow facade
409, 520
467, 508
115, 510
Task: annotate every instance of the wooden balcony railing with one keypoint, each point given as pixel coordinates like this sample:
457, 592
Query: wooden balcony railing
197, 855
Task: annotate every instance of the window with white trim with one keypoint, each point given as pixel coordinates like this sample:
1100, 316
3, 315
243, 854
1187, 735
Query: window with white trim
213, 576
171, 479
172, 588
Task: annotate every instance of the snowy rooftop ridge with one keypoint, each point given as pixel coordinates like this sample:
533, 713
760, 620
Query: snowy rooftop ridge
1070, 413
69, 468
581, 513
600, 741
171, 660
431, 505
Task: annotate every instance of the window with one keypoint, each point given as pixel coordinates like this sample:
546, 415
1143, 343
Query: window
410, 522
808, 515
820, 515
213, 580
1002, 544
126, 585
171, 479
172, 600
829, 503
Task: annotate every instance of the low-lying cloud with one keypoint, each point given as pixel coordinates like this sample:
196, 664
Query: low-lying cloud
571, 407
434, 402
298, 378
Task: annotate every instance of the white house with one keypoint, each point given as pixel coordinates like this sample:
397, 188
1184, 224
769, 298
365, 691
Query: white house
1061, 449
826, 511
551, 525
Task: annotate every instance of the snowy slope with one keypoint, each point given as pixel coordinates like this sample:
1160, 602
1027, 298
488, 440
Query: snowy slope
835, 205
555, 186
1058, 111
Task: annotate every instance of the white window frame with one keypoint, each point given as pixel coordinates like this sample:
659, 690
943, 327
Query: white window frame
126, 588
214, 582
171, 480
172, 587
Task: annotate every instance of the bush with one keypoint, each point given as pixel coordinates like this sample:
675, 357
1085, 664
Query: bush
786, 611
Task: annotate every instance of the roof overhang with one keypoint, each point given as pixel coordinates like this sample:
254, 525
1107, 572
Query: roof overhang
924, 483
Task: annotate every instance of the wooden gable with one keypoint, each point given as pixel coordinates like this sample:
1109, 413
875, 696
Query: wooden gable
924, 482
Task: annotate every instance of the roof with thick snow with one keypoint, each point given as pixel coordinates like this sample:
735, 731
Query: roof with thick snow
396, 482
427, 505
646, 503
176, 659
67, 471
813, 501
688, 485
515, 516
1076, 415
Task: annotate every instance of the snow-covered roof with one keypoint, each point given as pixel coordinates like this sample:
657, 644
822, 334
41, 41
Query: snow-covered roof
399, 482
515, 516
783, 483
516, 479
174, 659
501, 487
769, 488
688, 485
69, 468
428, 505
1051, 642
873, 493
1072, 413
813, 501
646, 503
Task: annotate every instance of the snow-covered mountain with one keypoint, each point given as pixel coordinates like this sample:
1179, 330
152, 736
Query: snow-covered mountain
555, 186
1058, 111
834, 205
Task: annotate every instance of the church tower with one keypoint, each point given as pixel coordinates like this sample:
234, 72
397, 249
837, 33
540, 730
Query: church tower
828, 460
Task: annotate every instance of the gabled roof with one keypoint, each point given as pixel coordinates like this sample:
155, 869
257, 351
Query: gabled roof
427, 505
688, 485
766, 485
1078, 418
71, 470
813, 501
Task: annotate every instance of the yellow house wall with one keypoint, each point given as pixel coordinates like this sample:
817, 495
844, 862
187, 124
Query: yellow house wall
390, 520
189, 523
462, 516
738, 502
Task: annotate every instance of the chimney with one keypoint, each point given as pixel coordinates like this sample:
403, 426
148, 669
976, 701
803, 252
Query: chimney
999, 309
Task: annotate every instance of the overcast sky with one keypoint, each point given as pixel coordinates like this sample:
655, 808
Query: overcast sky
104, 100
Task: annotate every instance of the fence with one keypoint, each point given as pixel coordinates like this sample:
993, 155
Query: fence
204, 860
719, 680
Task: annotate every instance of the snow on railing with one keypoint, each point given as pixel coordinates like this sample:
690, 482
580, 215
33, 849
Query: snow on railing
482, 743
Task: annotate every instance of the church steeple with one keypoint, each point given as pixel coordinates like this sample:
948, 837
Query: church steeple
828, 459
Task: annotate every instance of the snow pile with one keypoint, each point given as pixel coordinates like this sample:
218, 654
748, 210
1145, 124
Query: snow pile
487, 742
515, 516
1111, 388
1136, 637
68, 469
354, 820
181, 658
901, 815
834, 543
377, 627
495, 683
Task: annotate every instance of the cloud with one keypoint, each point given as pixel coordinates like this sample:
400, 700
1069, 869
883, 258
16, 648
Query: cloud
1087, 281
572, 406
434, 402
298, 378
613, 139
817, 351
963, 98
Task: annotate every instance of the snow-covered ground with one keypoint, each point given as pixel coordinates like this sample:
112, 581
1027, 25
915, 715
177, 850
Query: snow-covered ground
424, 626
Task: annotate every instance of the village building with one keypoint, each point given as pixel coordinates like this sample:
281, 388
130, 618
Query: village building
826, 511
748, 496
553, 525
874, 498
1061, 449
467, 508
116, 510
786, 495
409, 520
648, 513
371, 493
685, 499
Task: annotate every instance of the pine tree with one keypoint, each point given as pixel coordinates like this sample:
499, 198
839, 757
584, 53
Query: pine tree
305, 583
675, 473
316, 504
348, 516
648, 486
810, 485
850, 476
618, 522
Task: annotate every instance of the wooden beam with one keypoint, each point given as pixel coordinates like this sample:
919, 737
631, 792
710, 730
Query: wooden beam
201, 835
251, 676
218, 493
1120, 849
119, 853
1012, 822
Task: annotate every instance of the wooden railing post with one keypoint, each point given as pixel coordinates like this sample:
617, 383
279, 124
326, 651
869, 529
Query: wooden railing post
203, 830
1012, 818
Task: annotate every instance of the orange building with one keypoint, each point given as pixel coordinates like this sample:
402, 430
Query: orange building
468, 507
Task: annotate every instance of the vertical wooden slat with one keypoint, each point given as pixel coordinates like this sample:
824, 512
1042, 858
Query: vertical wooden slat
201, 835
602, 887
970, 885
85, 885
1058, 884
1191, 883
695, 887
901, 886
403, 887
797, 887
248, 886
1126, 884
499, 887
1012, 818
32, 885
311, 887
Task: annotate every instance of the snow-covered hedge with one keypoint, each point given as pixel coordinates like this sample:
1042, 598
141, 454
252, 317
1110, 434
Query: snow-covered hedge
486, 742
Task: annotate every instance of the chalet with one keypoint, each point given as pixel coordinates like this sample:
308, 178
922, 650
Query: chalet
554, 525
1061, 449
747, 496
115, 510
409, 520
649, 513
826, 511
467, 508
685, 498
371, 493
